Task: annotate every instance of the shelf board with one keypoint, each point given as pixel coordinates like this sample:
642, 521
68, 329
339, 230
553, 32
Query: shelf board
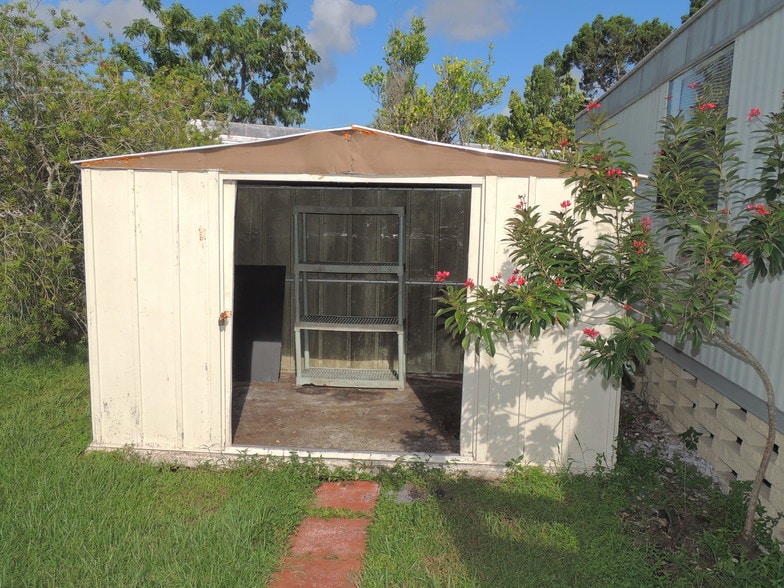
373, 324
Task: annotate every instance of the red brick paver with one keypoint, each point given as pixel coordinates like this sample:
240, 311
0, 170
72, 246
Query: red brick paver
356, 496
327, 553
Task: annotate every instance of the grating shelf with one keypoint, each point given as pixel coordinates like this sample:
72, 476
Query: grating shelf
326, 322
306, 274
349, 378
346, 267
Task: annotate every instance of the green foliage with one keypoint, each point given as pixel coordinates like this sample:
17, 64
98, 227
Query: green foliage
257, 68
62, 98
631, 340
605, 50
677, 269
763, 234
73, 519
543, 117
541, 121
449, 111
690, 438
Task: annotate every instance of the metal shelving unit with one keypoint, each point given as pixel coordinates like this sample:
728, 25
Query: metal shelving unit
309, 320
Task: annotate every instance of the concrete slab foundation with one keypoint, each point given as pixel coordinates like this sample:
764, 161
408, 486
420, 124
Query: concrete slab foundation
423, 417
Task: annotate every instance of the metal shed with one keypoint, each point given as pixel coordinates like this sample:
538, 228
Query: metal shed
193, 258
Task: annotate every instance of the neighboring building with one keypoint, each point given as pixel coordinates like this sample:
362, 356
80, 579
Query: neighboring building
193, 262
731, 53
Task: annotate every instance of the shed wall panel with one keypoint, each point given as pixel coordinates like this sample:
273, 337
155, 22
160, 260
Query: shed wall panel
506, 423
549, 376
155, 249
113, 336
195, 321
533, 399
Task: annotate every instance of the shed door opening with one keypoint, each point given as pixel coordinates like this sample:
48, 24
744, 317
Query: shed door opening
287, 415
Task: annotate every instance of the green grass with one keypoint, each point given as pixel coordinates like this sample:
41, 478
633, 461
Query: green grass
108, 519
532, 529
70, 519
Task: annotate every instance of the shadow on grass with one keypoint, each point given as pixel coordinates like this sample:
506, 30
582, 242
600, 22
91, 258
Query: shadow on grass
535, 529
532, 529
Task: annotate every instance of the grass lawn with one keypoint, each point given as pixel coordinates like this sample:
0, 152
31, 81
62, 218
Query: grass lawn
74, 519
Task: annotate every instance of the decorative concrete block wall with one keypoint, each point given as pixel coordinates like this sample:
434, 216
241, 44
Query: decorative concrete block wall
732, 438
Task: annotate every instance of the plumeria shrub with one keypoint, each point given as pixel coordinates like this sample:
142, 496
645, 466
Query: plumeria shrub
670, 252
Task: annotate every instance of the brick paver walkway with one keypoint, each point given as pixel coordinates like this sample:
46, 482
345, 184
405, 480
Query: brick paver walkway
327, 553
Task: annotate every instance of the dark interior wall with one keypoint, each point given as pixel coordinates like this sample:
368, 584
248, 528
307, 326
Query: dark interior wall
437, 228
258, 322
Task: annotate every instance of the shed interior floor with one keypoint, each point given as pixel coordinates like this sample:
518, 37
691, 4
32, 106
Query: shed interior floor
423, 417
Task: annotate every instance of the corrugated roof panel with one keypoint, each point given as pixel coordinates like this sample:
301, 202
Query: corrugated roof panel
351, 150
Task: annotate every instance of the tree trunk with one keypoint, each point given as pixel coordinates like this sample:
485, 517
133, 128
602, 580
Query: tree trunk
728, 343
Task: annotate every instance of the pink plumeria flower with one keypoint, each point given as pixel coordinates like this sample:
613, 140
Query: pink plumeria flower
758, 208
754, 113
592, 333
469, 283
741, 258
441, 276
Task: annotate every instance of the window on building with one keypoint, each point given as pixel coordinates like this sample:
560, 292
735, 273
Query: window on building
709, 81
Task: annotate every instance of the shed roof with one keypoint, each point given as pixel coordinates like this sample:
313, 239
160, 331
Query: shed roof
352, 150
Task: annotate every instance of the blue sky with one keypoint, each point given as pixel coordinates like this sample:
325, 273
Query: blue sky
350, 36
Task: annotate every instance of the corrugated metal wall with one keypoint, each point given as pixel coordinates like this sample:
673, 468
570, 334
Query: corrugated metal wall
437, 226
757, 81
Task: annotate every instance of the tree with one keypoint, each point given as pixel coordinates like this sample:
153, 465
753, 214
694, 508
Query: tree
446, 113
543, 117
694, 6
62, 98
605, 50
258, 68
716, 226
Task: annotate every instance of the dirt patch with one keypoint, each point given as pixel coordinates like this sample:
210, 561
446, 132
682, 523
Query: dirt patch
646, 431
678, 511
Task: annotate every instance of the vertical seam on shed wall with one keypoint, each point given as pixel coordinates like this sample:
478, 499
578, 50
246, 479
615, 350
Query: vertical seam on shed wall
228, 199
525, 355
177, 306
93, 348
483, 383
471, 365
137, 376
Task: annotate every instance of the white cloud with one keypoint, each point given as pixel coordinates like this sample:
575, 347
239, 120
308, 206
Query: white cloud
331, 31
469, 20
118, 13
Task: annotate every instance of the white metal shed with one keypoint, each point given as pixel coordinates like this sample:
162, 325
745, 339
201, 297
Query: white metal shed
160, 263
